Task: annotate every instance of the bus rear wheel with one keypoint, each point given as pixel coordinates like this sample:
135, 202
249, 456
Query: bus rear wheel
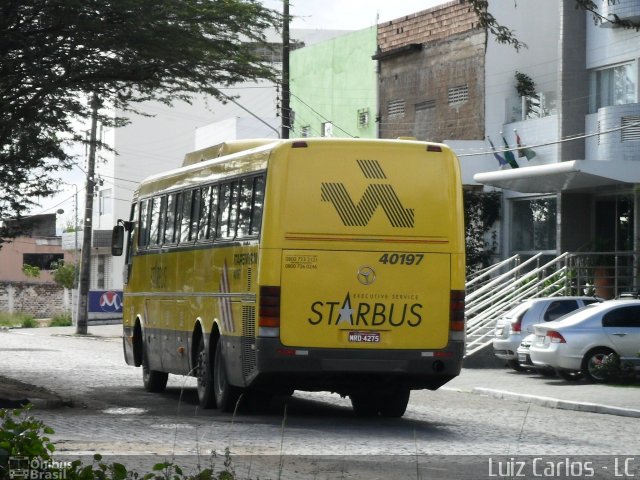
394, 404
226, 394
153, 380
391, 404
206, 397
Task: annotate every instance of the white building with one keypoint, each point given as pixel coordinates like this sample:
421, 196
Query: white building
579, 193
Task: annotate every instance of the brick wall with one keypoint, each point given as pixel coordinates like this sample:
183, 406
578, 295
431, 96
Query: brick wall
431, 75
427, 26
42, 300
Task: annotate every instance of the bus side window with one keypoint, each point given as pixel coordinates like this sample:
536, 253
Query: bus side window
163, 219
258, 202
244, 209
196, 200
170, 222
143, 236
228, 212
213, 211
154, 222
185, 223
205, 205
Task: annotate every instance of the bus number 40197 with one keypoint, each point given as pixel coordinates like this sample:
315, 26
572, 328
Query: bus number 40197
401, 258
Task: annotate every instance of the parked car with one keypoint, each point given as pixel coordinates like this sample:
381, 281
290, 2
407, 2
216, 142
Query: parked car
590, 340
510, 327
524, 358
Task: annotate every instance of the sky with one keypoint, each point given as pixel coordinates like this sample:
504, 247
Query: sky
310, 14
348, 14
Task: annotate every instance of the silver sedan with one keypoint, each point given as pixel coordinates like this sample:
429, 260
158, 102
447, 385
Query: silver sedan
595, 341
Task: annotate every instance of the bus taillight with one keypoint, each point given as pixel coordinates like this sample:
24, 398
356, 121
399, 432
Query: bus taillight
456, 317
269, 311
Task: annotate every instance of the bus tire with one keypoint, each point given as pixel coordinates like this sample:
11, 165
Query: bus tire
206, 397
366, 404
154, 381
226, 394
395, 404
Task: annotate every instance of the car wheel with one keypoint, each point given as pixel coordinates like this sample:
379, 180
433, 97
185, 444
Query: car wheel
570, 375
515, 365
206, 397
153, 380
597, 365
226, 394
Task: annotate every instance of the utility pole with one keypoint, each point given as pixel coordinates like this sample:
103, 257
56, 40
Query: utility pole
286, 110
85, 264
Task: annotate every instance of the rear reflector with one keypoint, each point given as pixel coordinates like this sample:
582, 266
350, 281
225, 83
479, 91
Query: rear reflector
456, 312
299, 145
434, 148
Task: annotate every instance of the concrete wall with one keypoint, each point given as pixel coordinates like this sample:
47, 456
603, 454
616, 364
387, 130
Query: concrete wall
333, 81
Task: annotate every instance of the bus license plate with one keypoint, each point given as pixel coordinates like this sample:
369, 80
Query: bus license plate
364, 337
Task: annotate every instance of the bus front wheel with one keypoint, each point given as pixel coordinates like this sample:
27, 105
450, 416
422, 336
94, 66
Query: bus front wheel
226, 394
206, 397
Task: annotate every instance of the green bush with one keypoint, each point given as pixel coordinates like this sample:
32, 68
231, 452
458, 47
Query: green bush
17, 320
61, 320
28, 322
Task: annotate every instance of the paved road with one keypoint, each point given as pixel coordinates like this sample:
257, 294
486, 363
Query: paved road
311, 433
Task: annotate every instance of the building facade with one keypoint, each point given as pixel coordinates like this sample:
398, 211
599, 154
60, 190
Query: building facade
431, 75
333, 87
579, 193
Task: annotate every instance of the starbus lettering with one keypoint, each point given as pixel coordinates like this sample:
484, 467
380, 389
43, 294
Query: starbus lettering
368, 314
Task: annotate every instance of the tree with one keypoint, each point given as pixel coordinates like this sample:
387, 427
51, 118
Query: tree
65, 275
55, 54
505, 35
481, 212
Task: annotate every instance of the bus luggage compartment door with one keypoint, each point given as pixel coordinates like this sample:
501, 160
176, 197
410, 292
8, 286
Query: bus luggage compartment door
365, 300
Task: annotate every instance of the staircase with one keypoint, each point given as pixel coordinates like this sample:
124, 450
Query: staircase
495, 290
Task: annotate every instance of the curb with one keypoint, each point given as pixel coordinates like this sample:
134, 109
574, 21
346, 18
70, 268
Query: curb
38, 403
551, 402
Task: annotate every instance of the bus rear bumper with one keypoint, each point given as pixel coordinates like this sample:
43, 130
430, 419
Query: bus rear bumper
342, 371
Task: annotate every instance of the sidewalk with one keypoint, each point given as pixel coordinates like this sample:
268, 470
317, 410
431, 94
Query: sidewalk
553, 392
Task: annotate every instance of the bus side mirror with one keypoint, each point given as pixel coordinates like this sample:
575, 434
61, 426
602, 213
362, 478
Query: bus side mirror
117, 240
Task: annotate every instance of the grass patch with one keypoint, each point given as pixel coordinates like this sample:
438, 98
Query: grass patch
61, 320
17, 320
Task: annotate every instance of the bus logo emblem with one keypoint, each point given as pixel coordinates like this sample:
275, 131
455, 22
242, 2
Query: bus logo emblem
366, 275
376, 195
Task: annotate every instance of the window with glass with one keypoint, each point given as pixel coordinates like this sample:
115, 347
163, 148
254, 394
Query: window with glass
613, 86
534, 224
170, 223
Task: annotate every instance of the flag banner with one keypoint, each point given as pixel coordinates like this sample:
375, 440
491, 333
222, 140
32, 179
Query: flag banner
524, 151
501, 161
508, 155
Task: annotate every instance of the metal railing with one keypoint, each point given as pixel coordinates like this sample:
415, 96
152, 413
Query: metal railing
496, 289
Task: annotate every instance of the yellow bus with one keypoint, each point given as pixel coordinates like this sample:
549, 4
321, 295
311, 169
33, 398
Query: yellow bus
264, 267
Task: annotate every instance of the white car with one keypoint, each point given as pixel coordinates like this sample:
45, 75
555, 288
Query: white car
518, 322
584, 342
